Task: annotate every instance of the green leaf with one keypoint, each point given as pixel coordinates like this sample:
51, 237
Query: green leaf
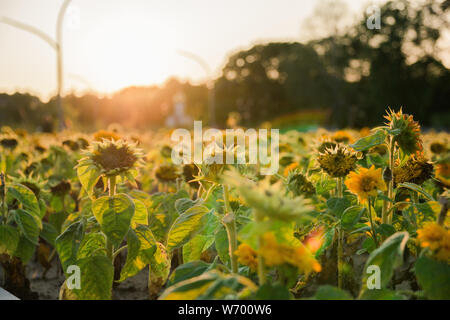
27, 225
140, 213
416, 188
88, 176
386, 230
97, 274
351, 216
181, 205
9, 239
203, 240
273, 291
387, 257
370, 141
433, 277
141, 248
92, 244
49, 233
337, 206
221, 244
25, 249
187, 271
328, 292
68, 242
327, 241
186, 226
26, 197
208, 286
381, 294
159, 268
114, 215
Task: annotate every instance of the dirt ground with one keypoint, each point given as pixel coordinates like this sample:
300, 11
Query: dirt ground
134, 288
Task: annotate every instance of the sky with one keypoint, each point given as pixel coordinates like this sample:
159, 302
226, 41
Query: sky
112, 44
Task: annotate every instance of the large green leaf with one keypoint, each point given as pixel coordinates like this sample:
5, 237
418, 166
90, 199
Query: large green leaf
141, 248
97, 274
434, 278
387, 257
88, 176
203, 240
25, 249
208, 286
370, 141
351, 216
114, 215
140, 213
221, 244
49, 233
26, 197
186, 226
93, 244
327, 292
337, 206
416, 188
68, 242
9, 239
27, 225
187, 271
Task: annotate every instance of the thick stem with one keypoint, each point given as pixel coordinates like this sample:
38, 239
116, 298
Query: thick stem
340, 235
112, 186
441, 217
374, 233
391, 181
3, 195
229, 220
261, 270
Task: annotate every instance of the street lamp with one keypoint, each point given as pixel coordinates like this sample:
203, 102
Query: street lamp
55, 44
209, 83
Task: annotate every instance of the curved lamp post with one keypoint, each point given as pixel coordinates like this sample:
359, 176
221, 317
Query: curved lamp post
209, 84
55, 44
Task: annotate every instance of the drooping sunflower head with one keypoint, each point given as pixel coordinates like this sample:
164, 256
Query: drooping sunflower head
34, 183
438, 147
298, 184
337, 162
113, 158
9, 142
60, 187
190, 172
406, 130
167, 173
416, 169
365, 183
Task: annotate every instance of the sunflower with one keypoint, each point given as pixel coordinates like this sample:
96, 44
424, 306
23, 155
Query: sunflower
298, 184
190, 172
167, 173
247, 256
276, 254
60, 188
107, 135
407, 131
437, 239
337, 162
416, 170
342, 136
365, 183
112, 158
9, 143
438, 147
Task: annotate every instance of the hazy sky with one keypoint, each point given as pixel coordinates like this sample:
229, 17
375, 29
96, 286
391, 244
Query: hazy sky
111, 44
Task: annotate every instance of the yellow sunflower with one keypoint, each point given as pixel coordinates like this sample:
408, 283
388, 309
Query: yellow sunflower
365, 183
437, 239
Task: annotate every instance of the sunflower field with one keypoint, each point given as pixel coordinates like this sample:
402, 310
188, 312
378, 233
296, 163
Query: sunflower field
349, 215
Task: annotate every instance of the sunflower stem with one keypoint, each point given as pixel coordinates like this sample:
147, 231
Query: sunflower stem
261, 271
391, 180
372, 227
112, 192
340, 235
229, 220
